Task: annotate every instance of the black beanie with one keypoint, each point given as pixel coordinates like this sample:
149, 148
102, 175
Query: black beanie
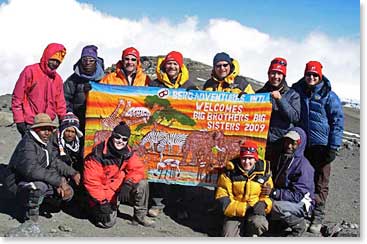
123, 129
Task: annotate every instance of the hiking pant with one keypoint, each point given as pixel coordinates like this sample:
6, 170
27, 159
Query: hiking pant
246, 226
316, 156
33, 194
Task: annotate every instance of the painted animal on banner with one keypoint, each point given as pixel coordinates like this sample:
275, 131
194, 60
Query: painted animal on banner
173, 139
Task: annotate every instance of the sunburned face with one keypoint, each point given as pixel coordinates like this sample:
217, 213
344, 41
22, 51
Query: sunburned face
248, 163
312, 79
222, 69
69, 134
44, 132
129, 63
275, 78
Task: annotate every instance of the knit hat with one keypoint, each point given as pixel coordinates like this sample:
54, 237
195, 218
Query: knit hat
41, 120
131, 51
294, 136
221, 57
59, 55
123, 129
314, 67
248, 149
70, 120
90, 51
174, 56
278, 64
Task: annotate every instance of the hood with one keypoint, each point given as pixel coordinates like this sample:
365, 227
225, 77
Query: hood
235, 71
301, 148
162, 76
50, 50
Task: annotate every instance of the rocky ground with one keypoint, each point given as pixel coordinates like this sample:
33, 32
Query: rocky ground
342, 210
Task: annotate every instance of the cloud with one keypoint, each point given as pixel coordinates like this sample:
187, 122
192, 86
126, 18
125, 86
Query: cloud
28, 26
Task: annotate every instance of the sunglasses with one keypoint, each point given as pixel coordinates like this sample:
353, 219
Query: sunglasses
218, 66
120, 137
88, 60
312, 74
248, 149
130, 59
281, 62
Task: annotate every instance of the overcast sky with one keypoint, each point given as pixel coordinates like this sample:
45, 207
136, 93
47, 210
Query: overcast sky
332, 37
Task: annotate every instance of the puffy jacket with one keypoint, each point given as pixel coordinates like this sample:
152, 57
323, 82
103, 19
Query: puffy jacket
232, 83
118, 77
34, 160
322, 115
293, 178
237, 191
75, 96
162, 80
285, 112
104, 173
39, 90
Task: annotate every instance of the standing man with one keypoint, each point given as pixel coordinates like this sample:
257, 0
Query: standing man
39, 89
89, 68
238, 193
322, 119
129, 71
38, 171
286, 107
225, 76
113, 174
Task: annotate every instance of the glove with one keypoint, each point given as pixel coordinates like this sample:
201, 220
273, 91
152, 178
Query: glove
124, 194
103, 212
259, 208
87, 87
192, 88
22, 128
330, 155
265, 190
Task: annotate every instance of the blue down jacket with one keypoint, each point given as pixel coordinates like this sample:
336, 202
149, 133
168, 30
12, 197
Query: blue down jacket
322, 115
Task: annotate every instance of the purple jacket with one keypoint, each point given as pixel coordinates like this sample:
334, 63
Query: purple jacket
294, 178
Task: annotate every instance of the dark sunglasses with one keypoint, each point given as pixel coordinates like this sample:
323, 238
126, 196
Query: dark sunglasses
130, 59
120, 137
281, 62
248, 149
88, 60
312, 74
220, 65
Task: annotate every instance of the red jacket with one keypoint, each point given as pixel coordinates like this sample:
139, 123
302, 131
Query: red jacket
102, 175
39, 90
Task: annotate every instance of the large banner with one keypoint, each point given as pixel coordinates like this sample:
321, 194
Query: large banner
183, 137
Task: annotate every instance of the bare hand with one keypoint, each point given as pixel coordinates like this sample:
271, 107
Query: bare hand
265, 190
76, 178
276, 95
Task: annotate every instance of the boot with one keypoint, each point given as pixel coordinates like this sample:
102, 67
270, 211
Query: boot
317, 218
297, 224
144, 221
32, 214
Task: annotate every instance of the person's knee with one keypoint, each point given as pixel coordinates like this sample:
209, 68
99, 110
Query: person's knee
257, 225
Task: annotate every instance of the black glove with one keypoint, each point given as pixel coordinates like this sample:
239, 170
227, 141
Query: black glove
192, 88
259, 208
330, 155
124, 194
103, 212
22, 128
87, 87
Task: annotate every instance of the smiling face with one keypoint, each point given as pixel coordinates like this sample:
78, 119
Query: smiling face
172, 69
129, 63
275, 78
119, 141
222, 69
312, 79
248, 163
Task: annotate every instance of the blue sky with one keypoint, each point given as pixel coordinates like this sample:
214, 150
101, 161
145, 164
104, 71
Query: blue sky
252, 32
291, 18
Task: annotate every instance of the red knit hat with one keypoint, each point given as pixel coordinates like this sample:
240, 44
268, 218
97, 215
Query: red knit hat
278, 64
131, 51
248, 149
314, 67
175, 56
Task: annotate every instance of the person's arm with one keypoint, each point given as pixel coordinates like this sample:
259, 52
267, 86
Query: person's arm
60, 99
69, 92
135, 170
290, 107
92, 179
19, 94
334, 111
